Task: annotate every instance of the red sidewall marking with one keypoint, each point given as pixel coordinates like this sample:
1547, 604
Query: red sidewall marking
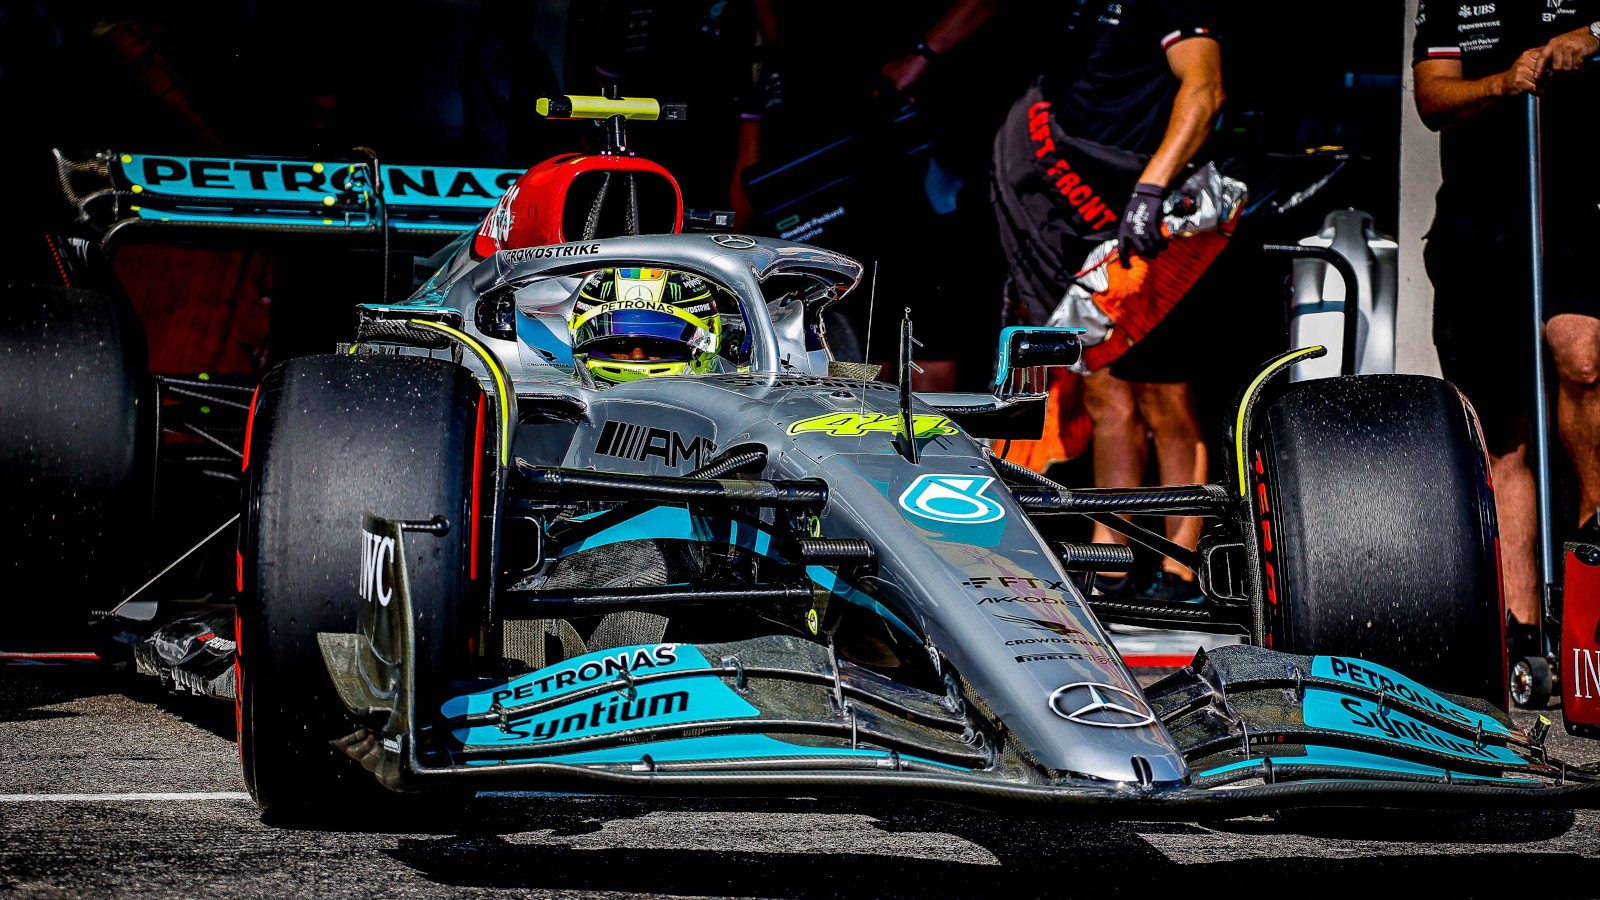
477, 490
1158, 660
249, 427
238, 685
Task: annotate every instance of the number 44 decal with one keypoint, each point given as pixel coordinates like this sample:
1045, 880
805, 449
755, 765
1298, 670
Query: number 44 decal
856, 424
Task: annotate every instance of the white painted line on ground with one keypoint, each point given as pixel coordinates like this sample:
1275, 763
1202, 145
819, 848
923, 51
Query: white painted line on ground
120, 798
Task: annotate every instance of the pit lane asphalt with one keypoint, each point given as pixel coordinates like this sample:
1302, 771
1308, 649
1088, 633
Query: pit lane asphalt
83, 729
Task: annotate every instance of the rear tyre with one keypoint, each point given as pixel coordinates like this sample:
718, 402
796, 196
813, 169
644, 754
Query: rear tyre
77, 457
331, 437
1377, 530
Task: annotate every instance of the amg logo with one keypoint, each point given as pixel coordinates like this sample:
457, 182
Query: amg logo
612, 713
377, 568
1585, 673
639, 443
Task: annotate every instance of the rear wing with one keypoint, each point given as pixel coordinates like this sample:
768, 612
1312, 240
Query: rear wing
115, 191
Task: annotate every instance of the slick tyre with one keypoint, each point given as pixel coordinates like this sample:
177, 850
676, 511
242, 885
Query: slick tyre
77, 458
331, 437
1376, 529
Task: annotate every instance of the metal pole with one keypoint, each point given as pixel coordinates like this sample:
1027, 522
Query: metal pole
1541, 414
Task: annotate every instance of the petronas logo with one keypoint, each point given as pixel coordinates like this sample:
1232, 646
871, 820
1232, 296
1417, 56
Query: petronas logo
953, 499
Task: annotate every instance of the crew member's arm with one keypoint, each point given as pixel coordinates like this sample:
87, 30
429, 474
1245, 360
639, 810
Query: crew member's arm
1197, 63
956, 25
1444, 97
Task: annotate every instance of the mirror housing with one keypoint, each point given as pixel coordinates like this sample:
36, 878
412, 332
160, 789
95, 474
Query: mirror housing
1016, 408
1024, 348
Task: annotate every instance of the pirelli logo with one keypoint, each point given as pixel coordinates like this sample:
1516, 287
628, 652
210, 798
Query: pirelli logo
640, 443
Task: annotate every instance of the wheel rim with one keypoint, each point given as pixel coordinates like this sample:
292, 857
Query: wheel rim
1521, 683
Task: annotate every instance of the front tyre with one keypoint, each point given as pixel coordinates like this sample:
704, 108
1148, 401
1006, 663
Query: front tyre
332, 437
1377, 530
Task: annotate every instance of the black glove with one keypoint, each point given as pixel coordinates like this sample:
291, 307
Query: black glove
1140, 231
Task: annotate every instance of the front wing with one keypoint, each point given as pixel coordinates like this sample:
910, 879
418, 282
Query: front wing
783, 716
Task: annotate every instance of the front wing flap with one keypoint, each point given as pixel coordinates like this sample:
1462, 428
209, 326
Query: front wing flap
783, 715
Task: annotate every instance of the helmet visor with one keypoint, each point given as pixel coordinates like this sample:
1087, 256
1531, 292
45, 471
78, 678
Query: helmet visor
635, 333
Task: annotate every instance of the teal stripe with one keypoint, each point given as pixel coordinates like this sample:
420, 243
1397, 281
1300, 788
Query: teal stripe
675, 523
1353, 759
732, 746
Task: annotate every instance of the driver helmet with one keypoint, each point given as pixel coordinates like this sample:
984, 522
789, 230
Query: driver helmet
639, 323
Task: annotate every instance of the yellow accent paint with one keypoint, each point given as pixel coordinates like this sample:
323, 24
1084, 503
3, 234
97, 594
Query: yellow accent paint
138, 189
589, 107
329, 200
1272, 369
857, 424
501, 389
317, 168
126, 158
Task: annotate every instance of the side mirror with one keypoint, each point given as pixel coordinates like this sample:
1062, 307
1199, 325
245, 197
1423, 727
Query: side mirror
1016, 408
1025, 351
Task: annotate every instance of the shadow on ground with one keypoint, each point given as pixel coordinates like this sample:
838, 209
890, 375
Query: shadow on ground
1029, 858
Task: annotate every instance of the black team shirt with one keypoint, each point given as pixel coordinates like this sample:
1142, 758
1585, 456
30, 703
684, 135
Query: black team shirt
1111, 83
1485, 159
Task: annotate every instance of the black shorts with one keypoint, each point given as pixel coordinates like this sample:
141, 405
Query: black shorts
1482, 318
1054, 195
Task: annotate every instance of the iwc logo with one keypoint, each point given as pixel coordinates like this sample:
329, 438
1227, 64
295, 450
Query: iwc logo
1100, 705
953, 499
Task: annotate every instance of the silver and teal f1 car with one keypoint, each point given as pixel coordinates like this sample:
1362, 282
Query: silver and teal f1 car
465, 564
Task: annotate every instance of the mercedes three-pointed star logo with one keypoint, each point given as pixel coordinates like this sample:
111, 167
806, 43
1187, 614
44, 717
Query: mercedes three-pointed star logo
1100, 705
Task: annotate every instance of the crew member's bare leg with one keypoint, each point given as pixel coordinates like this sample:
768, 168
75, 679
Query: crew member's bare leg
1180, 454
1575, 343
1120, 441
1515, 506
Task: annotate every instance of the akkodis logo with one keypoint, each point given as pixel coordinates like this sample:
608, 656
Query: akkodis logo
952, 499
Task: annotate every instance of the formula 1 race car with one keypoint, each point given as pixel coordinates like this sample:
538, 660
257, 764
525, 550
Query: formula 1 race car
604, 513
508, 540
